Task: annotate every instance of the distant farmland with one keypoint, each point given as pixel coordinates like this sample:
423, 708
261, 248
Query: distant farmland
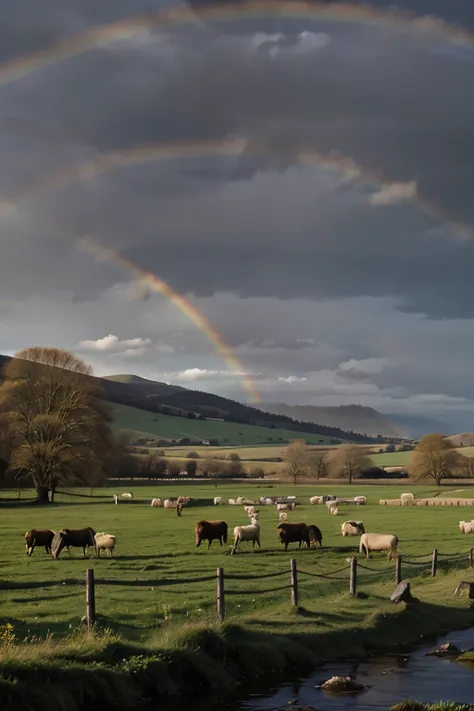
143, 423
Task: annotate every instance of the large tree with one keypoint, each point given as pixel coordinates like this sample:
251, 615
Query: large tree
297, 461
57, 419
318, 464
435, 458
347, 462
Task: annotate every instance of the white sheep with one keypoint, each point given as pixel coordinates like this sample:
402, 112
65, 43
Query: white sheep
168, 504
247, 533
250, 510
156, 502
466, 526
285, 507
232, 502
268, 501
352, 528
104, 542
334, 511
360, 500
283, 516
316, 500
127, 495
379, 542
217, 500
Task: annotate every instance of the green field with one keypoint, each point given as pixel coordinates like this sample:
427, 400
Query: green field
155, 549
399, 459
143, 423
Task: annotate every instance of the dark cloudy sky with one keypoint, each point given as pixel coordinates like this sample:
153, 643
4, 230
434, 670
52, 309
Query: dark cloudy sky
328, 288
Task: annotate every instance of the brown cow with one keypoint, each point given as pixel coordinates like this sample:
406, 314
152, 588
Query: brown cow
38, 538
210, 531
293, 533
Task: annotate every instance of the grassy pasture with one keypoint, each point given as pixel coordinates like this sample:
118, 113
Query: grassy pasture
400, 459
144, 423
156, 548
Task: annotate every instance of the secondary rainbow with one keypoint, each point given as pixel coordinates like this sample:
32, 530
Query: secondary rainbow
184, 305
104, 35
149, 153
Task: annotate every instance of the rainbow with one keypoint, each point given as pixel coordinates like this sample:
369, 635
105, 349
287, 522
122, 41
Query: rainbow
103, 35
149, 153
183, 304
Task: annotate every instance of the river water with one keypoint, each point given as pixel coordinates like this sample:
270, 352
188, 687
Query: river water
393, 679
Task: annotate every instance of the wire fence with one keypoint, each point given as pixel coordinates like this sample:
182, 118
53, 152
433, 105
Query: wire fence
350, 573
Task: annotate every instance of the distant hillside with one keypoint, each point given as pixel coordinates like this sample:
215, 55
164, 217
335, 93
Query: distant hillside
177, 401
355, 418
417, 426
465, 439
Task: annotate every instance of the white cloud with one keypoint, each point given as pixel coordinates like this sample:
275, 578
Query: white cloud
113, 344
292, 379
394, 193
366, 366
191, 374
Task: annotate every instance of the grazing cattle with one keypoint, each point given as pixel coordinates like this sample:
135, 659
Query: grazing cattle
360, 500
104, 542
82, 538
247, 533
293, 533
210, 531
378, 542
315, 536
466, 526
156, 503
352, 528
35, 538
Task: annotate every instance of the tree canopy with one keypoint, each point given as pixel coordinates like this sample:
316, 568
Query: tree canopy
435, 458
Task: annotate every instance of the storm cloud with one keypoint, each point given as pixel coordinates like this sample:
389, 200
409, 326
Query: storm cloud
330, 288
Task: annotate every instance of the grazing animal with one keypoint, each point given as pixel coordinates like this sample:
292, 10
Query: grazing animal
127, 495
315, 536
316, 500
360, 500
379, 542
217, 500
247, 533
104, 542
210, 531
232, 502
286, 507
293, 533
352, 528
35, 538
168, 504
283, 516
156, 503
466, 526
179, 508
334, 511
82, 538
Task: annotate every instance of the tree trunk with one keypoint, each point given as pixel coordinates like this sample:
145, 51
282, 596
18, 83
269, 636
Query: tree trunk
42, 495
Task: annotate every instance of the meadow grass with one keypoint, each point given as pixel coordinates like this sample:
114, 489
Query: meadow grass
151, 574
149, 629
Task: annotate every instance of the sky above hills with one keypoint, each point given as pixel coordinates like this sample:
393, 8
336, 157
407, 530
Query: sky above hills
333, 252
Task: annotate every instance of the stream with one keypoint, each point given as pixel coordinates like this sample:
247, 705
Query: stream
393, 679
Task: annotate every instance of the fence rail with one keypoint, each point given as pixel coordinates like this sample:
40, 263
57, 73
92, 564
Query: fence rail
353, 566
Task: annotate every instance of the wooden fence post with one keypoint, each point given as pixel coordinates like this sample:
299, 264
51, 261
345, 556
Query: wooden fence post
471, 557
220, 595
294, 583
90, 599
434, 563
353, 577
398, 569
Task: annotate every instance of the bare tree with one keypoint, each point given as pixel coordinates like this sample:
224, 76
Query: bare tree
435, 458
347, 461
296, 457
467, 466
318, 464
57, 419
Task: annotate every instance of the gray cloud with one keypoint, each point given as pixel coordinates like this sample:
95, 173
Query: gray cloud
307, 273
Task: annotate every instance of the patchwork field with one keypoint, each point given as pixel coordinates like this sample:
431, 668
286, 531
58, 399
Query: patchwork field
151, 574
143, 423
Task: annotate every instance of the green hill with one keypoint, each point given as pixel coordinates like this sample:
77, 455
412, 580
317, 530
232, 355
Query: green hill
144, 425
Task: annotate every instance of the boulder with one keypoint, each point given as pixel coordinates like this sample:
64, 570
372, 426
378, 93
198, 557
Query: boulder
342, 685
445, 650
